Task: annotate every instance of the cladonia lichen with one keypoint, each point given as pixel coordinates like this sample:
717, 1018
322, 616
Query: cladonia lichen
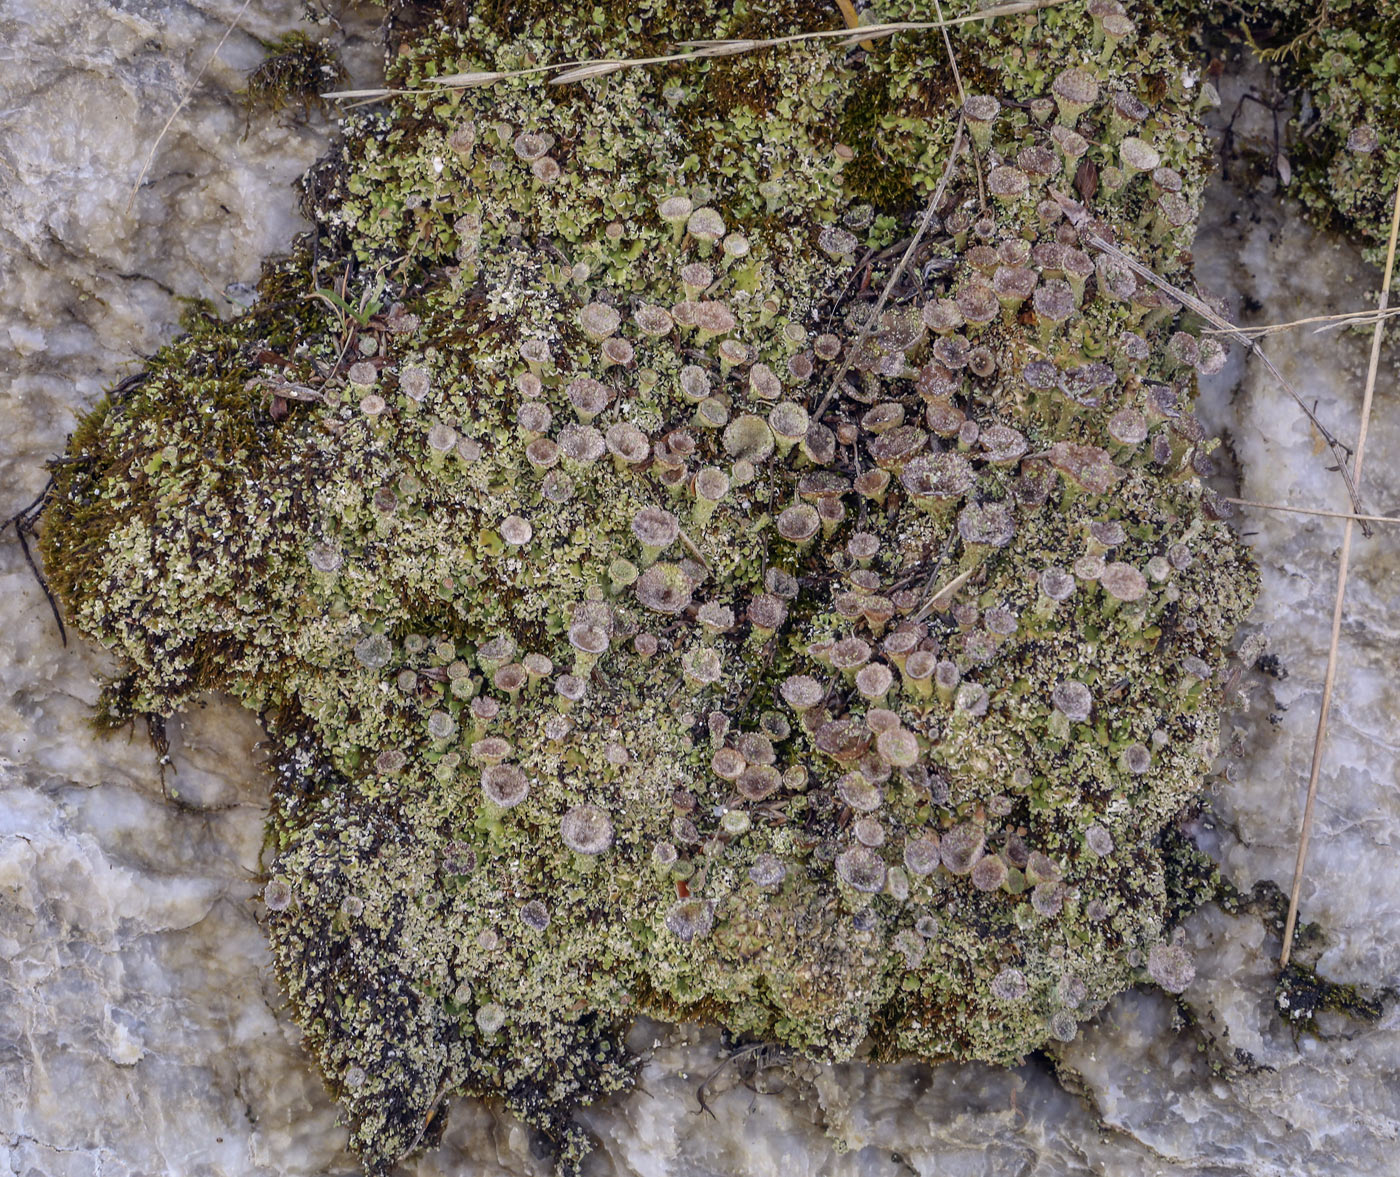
614, 666
1343, 64
1336, 66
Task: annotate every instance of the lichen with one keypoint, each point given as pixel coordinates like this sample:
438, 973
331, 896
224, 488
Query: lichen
612, 667
1338, 63
1350, 160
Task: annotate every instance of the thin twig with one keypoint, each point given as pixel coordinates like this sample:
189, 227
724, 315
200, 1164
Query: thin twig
945, 594
427, 1121
962, 98
694, 551
933, 575
888, 29
1312, 511
577, 71
742, 1052
1329, 323
1079, 217
189, 91
24, 521
873, 321
952, 59
1330, 678
852, 19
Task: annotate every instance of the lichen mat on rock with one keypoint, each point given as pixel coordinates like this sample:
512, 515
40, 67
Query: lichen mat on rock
608, 663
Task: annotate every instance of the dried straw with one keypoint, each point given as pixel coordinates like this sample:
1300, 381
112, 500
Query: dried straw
1312, 511
1329, 323
872, 323
578, 71
852, 19
1330, 678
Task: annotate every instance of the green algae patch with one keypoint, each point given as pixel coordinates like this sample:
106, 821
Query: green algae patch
613, 667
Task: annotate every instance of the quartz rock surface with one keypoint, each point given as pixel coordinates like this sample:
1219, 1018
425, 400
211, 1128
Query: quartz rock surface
139, 1020
1290, 271
141, 1029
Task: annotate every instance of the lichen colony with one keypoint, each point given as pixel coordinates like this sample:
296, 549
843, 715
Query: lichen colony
614, 667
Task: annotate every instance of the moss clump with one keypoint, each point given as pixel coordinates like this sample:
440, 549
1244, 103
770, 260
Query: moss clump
295, 70
1301, 994
518, 495
1350, 68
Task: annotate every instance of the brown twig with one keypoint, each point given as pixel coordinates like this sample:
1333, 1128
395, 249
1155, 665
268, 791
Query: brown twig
929, 601
761, 1049
577, 71
693, 550
873, 321
945, 594
1079, 217
427, 1121
952, 58
1329, 323
1343, 564
24, 523
852, 19
962, 98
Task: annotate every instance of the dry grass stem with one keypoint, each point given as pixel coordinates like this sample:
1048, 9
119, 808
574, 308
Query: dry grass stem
1330, 678
1329, 323
852, 19
1079, 217
24, 520
427, 1121
873, 322
944, 596
952, 58
577, 71
1312, 511
174, 114
891, 28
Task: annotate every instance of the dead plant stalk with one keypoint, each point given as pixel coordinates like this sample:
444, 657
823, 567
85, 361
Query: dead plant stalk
579, 70
1330, 678
184, 98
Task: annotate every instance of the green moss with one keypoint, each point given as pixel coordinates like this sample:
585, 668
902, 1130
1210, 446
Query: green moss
295, 70
1339, 63
392, 509
1350, 161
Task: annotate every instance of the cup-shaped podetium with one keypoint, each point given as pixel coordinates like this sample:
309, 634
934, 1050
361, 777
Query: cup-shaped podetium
655, 529
1076, 90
